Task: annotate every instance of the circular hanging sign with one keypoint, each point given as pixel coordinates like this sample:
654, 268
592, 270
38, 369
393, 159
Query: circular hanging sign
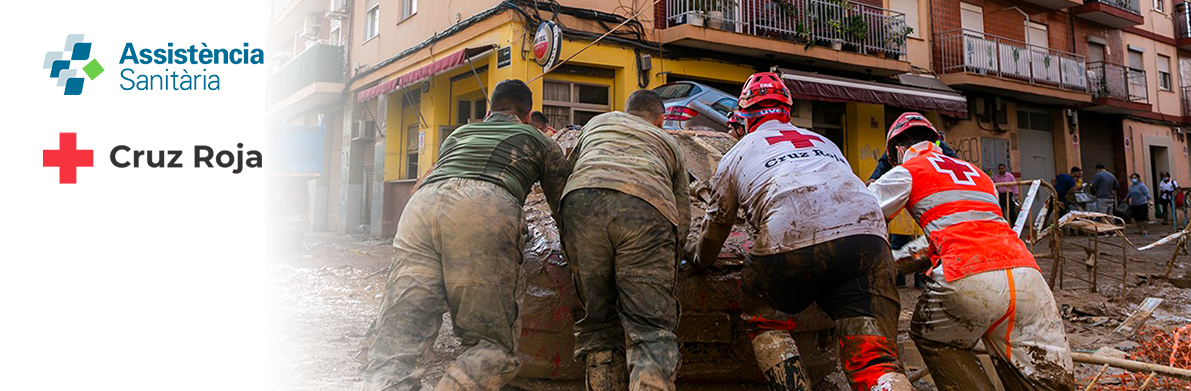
547, 44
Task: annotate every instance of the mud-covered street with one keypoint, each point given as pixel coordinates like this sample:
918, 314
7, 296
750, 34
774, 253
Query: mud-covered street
325, 295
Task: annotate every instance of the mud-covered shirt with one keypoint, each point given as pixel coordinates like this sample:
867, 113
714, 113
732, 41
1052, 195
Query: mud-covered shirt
796, 190
506, 152
624, 152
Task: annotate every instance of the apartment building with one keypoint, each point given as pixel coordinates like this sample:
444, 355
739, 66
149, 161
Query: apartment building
1055, 84
1039, 85
304, 108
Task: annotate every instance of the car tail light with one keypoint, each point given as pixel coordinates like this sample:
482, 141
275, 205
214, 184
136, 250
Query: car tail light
680, 113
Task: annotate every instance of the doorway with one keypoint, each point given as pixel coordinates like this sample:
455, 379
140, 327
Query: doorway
1036, 144
1159, 163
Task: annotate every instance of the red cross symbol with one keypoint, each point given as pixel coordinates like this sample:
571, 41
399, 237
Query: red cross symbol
798, 139
68, 158
954, 168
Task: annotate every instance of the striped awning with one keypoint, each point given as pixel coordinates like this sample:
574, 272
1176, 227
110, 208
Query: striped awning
437, 66
813, 86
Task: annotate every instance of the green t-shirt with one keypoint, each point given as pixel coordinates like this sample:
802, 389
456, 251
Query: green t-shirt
510, 154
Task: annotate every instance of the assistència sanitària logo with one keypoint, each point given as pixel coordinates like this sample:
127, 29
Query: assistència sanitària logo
65, 66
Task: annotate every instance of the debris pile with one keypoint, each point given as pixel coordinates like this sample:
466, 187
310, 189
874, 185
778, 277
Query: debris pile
1156, 346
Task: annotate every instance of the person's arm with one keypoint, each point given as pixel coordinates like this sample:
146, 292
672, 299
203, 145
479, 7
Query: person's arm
721, 215
1014, 188
892, 191
947, 151
556, 168
681, 180
883, 166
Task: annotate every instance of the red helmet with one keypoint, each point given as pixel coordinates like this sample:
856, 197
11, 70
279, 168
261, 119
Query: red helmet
763, 86
904, 122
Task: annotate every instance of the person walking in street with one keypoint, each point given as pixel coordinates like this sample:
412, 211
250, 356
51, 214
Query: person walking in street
1104, 186
1006, 195
626, 214
983, 284
820, 238
458, 250
1139, 200
1166, 190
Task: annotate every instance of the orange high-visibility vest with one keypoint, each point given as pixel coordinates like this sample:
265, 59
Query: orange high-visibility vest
956, 205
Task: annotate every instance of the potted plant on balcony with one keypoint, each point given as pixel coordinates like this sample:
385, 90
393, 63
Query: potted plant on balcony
853, 30
857, 31
895, 41
710, 13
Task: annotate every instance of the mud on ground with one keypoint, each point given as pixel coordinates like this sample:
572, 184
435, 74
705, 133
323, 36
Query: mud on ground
326, 294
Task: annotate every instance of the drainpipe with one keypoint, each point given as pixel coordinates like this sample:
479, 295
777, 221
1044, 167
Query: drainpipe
1027, 24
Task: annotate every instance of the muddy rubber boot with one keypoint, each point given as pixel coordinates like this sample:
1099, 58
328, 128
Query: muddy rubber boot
607, 370
778, 357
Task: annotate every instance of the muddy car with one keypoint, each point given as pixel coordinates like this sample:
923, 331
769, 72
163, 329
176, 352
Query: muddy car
716, 350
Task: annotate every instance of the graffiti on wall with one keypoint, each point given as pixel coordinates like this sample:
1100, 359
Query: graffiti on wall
967, 149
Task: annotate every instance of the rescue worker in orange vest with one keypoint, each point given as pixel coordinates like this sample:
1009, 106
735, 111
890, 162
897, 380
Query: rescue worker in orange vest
820, 238
983, 283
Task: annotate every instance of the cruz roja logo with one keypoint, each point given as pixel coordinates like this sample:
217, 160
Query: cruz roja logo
123, 156
74, 52
68, 158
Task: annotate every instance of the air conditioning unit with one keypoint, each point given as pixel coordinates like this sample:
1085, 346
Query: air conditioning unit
363, 130
310, 27
338, 9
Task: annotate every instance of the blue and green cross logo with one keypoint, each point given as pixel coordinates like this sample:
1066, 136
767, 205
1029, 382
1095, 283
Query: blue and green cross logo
74, 52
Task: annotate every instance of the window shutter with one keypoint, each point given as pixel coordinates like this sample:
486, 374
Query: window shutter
972, 17
910, 8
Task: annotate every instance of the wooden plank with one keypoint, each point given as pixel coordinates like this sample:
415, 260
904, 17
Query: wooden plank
1139, 317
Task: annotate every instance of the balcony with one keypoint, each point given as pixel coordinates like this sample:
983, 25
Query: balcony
1117, 89
1182, 25
1187, 102
1057, 4
289, 14
831, 33
1112, 13
313, 78
983, 62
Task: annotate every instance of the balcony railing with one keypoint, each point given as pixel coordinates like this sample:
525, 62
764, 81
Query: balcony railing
1117, 82
846, 24
1187, 101
1127, 5
1182, 20
967, 51
318, 63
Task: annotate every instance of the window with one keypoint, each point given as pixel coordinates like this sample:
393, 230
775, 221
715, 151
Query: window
910, 8
336, 35
724, 106
1135, 59
372, 22
408, 8
568, 103
1038, 35
1035, 120
469, 110
1164, 82
677, 90
412, 133
1095, 52
1160, 5
971, 17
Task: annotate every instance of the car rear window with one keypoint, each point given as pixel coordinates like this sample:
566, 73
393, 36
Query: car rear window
676, 90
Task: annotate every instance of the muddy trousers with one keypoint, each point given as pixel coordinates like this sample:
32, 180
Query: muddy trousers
1012, 311
458, 249
851, 279
624, 258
